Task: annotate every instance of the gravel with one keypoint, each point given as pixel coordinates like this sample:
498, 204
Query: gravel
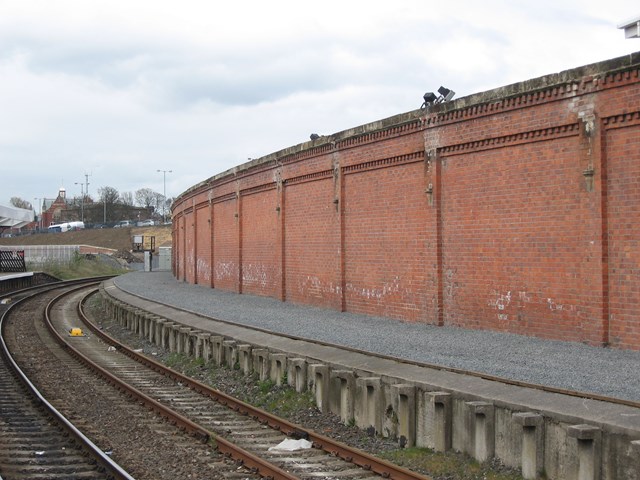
146, 446
568, 365
300, 410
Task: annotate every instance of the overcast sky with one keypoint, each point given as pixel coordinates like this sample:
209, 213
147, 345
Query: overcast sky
121, 88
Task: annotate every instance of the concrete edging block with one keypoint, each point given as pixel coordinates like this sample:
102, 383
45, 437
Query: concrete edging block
589, 440
319, 382
277, 367
342, 394
481, 433
230, 353
532, 459
245, 358
433, 420
261, 363
297, 374
404, 405
217, 349
368, 409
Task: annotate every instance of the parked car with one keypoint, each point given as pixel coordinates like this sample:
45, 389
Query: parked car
123, 223
146, 223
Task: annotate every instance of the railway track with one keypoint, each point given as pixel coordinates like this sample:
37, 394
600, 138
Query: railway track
238, 429
146, 445
36, 441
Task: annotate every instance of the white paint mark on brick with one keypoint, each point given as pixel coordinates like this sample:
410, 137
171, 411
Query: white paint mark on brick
501, 301
226, 270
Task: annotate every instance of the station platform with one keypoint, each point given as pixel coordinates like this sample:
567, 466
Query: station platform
565, 365
10, 281
537, 430
13, 275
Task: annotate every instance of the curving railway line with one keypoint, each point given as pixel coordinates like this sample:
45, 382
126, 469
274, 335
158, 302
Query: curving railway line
37, 440
236, 429
121, 429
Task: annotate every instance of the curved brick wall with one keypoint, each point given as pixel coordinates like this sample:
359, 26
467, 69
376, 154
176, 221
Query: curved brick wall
516, 209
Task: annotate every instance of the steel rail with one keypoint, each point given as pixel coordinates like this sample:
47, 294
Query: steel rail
352, 455
248, 459
104, 460
433, 366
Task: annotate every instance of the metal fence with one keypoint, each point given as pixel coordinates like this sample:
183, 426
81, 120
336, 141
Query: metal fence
12, 261
43, 254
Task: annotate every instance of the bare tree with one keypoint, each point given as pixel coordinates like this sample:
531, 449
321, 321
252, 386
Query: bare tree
20, 203
145, 197
127, 198
109, 197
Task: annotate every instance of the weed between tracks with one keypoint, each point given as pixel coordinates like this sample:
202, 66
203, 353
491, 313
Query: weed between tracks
300, 408
280, 400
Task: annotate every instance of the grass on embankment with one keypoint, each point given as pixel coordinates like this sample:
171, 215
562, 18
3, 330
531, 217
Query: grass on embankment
79, 266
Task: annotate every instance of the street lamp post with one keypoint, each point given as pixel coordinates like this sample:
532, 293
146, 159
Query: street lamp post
164, 193
40, 200
82, 199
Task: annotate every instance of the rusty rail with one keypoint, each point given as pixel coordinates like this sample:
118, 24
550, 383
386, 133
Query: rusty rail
105, 461
248, 459
352, 455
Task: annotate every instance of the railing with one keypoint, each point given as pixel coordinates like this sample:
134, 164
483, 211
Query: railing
12, 261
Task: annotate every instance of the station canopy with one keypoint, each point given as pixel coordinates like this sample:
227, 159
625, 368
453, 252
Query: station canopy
631, 27
12, 217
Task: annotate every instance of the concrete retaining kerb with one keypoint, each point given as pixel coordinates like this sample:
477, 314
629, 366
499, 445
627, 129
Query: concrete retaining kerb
482, 430
404, 405
297, 374
433, 420
342, 394
277, 367
589, 446
368, 405
532, 460
245, 358
473, 426
261, 363
319, 382
230, 353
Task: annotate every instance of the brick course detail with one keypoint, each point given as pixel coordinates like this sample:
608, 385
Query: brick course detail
516, 210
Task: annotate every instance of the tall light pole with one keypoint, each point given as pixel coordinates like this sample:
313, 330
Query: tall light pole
40, 200
164, 193
81, 199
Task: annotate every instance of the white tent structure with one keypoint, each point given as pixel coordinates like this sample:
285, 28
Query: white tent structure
12, 217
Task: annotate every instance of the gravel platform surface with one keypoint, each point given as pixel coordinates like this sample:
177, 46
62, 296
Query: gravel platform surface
560, 364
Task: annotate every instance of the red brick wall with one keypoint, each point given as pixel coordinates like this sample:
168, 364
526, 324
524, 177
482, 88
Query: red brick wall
203, 243
513, 210
623, 157
518, 236
190, 247
226, 246
385, 241
261, 268
312, 239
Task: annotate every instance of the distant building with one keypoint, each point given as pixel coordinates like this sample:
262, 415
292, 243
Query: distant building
52, 210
